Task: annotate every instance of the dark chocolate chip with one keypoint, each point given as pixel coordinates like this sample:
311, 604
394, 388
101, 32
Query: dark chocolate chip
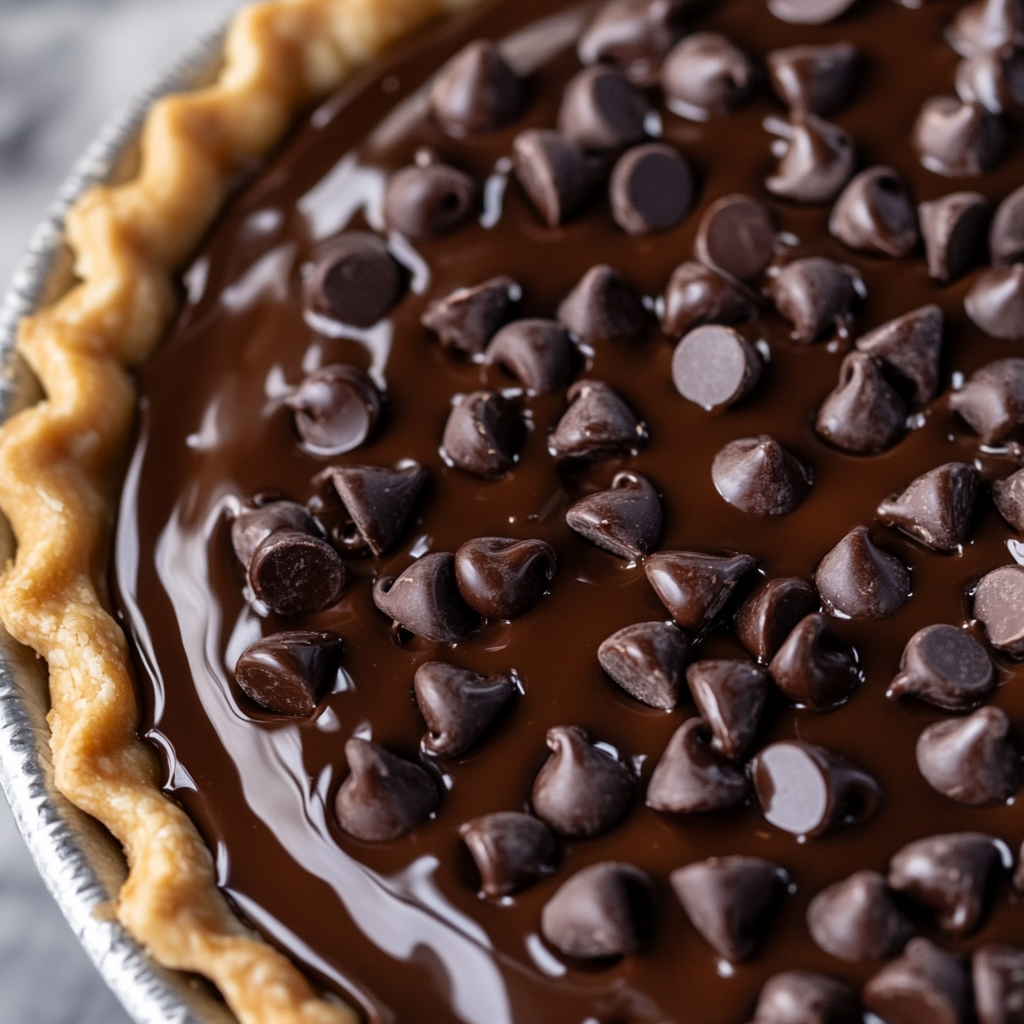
384, 797
808, 790
864, 414
705, 75
554, 172
771, 613
950, 875
807, 997
537, 352
483, 434
647, 660
289, 672
457, 705
857, 920
252, 526
944, 666
511, 851
986, 25
813, 79
1008, 495
814, 295
813, 667
1006, 235
876, 214
695, 587
625, 520
816, 162
758, 475
295, 573
651, 189
501, 578
937, 508
809, 12
476, 92
336, 409
692, 776
730, 696
429, 201
729, 899
971, 760
715, 367
912, 346
858, 580
996, 302
598, 424
425, 599
602, 109
957, 139
633, 34
468, 318
992, 400
925, 984
605, 910
580, 791
355, 280
999, 607
995, 79
736, 236
998, 975
697, 295
953, 228
603, 307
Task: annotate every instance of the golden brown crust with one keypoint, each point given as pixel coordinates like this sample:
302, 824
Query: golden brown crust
61, 463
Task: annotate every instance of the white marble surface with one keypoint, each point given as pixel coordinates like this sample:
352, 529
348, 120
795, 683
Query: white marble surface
65, 67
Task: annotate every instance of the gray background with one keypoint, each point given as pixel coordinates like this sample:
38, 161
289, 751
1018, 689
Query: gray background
65, 67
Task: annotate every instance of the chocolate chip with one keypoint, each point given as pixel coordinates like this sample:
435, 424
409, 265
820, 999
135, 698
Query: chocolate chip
808, 790
581, 791
605, 910
288, 673
728, 900
925, 984
957, 139
813, 79
1008, 496
651, 189
603, 307
986, 25
483, 434
295, 573
771, 613
736, 236
971, 760
944, 666
864, 414
476, 92
911, 345
937, 508
469, 317
995, 79
992, 400
953, 228
996, 302
999, 607
813, 667
876, 214
857, 920
602, 109
252, 526
998, 974
950, 875
554, 172
634, 34
336, 409
597, 425
858, 580
715, 367
501, 578
697, 295
693, 776
814, 295
1006, 236
384, 797
537, 352
705, 75
511, 851
425, 600
807, 997
758, 475
809, 12
355, 280
816, 162
695, 587
429, 201
457, 705
625, 520
730, 696
647, 660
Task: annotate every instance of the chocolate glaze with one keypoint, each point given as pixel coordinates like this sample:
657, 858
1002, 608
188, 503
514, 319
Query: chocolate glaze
398, 926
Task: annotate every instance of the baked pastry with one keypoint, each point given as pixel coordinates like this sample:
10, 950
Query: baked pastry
557, 545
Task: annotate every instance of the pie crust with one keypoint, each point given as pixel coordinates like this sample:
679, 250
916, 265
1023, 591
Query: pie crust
62, 461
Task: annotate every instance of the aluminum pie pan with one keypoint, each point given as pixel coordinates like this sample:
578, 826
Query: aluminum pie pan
80, 863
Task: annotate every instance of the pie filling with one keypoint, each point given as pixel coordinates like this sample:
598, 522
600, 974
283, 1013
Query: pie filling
714, 459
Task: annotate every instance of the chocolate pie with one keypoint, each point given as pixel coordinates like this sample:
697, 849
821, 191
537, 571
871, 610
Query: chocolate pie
568, 552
